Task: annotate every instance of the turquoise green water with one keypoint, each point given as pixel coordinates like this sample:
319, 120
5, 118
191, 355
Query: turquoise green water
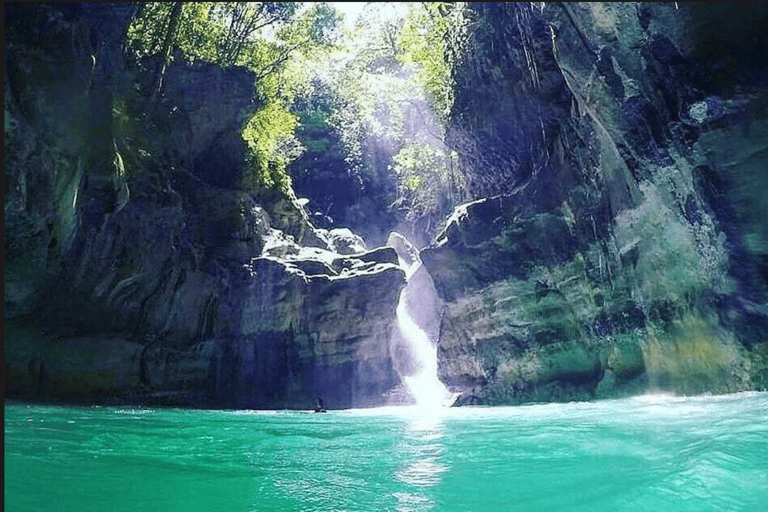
647, 453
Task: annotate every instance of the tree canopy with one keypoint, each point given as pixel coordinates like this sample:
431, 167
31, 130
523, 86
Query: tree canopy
386, 84
391, 86
269, 38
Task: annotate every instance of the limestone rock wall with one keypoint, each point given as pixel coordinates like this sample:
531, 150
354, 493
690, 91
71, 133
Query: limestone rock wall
137, 270
618, 242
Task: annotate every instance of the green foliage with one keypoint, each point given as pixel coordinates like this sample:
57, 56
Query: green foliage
386, 90
389, 92
221, 32
315, 132
195, 38
243, 21
271, 144
428, 183
282, 63
273, 39
315, 28
430, 36
377, 103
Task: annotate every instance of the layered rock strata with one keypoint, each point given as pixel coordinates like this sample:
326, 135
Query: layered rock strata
137, 270
618, 242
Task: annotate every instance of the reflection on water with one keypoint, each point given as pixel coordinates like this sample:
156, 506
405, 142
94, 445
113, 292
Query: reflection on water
421, 443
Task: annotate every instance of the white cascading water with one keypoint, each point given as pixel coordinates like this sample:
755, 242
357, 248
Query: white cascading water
424, 385
415, 354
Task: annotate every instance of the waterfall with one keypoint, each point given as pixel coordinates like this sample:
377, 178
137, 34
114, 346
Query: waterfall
423, 384
413, 344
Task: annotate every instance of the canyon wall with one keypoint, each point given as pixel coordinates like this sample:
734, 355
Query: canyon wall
137, 268
619, 242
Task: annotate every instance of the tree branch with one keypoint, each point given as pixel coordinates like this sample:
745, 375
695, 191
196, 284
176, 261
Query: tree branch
282, 58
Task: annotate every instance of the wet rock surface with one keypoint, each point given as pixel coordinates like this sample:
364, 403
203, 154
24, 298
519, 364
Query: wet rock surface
618, 242
190, 291
615, 247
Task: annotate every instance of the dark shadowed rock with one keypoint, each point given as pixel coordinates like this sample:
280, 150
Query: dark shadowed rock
617, 154
188, 290
617, 238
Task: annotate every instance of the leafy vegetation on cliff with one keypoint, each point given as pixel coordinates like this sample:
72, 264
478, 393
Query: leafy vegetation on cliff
387, 94
386, 81
617, 240
272, 39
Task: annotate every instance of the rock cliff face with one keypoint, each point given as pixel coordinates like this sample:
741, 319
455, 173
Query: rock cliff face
619, 153
136, 270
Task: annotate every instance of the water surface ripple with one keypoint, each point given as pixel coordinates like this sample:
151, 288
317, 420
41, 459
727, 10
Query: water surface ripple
646, 453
